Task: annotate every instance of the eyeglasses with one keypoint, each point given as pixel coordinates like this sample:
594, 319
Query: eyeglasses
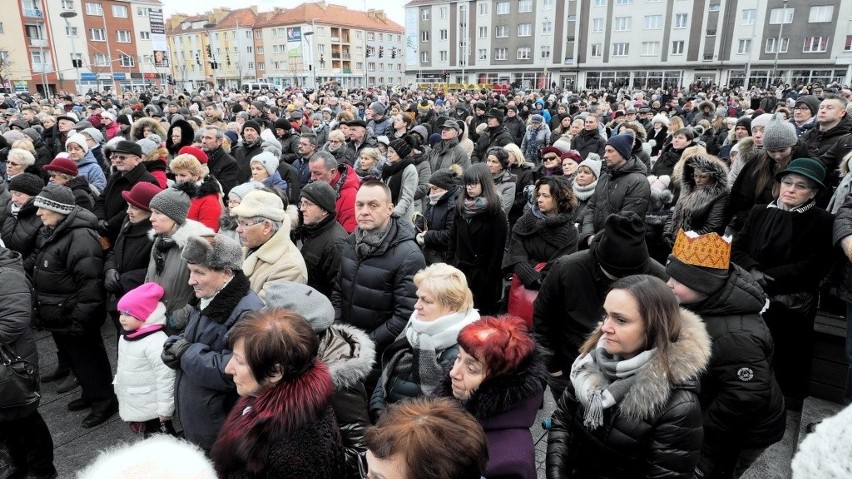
249, 224
471, 185
12, 163
801, 108
332, 141
118, 157
550, 158
303, 203
798, 185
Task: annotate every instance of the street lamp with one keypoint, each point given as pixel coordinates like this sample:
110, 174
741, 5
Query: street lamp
66, 16
778, 42
311, 48
41, 43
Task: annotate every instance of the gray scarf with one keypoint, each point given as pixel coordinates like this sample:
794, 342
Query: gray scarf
429, 339
584, 192
602, 380
366, 242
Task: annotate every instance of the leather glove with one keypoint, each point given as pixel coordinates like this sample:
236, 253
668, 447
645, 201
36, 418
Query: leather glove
102, 226
173, 350
111, 281
761, 278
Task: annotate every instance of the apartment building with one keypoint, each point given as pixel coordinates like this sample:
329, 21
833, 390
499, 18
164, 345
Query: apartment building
636, 43
308, 45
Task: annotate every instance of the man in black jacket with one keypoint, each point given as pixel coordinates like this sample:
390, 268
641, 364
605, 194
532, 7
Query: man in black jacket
251, 146
495, 134
222, 165
322, 236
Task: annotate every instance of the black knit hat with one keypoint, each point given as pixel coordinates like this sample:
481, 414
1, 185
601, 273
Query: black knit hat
697, 278
621, 250
56, 198
444, 178
321, 194
253, 125
401, 148
809, 101
26, 183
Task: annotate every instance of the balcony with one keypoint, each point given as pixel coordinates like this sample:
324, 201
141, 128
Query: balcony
37, 42
33, 13
335, 39
42, 68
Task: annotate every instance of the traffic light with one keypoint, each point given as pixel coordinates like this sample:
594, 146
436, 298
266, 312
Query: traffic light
197, 59
209, 52
446, 75
393, 52
381, 52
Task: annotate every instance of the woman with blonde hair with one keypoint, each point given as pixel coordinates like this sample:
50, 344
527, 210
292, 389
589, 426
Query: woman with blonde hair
414, 364
369, 164
194, 178
336, 145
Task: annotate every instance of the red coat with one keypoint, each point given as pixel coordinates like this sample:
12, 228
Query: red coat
206, 204
346, 196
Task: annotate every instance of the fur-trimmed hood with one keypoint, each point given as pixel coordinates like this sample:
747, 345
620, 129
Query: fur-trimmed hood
349, 354
187, 134
706, 164
688, 357
138, 128
185, 231
207, 186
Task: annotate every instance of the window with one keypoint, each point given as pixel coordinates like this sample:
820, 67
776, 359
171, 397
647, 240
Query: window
101, 60
847, 47
547, 27
442, 55
523, 53
42, 59
249, 49
261, 66
97, 35
501, 31
71, 31
600, 3
771, 45
502, 8
650, 48
501, 53
620, 49
711, 32
144, 35
524, 29
442, 12
653, 22
623, 2
482, 54
545, 51
749, 17
597, 25
547, 3
94, 9
77, 59
622, 24
122, 36
815, 44
68, 4
119, 11
781, 15
424, 57
443, 33
744, 46
2, 29
572, 18
371, 36
141, 11
525, 6
424, 36
680, 20
126, 60
596, 50
677, 47
260, 50
424, 14
821, 14
714, 7
483, 8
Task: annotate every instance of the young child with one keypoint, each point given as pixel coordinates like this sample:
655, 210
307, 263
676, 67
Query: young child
143, 384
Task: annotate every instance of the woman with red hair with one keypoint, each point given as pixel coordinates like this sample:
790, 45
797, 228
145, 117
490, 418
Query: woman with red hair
498, 378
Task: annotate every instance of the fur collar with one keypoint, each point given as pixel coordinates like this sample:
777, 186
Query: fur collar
349, 354
258, 422
747, 151
208, 186
688, 357
185, 231
226, 300
694, 200
500, 394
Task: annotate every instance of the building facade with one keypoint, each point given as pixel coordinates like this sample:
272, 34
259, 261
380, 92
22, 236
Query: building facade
309, 45
636, 43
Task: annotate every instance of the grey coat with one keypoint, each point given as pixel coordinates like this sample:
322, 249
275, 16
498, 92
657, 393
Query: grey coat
174, 275
446, 153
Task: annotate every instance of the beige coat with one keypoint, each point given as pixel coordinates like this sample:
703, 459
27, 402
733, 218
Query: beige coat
275, 261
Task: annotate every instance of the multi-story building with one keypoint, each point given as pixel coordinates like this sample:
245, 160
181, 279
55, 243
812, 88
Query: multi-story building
78, 45
311, 44
637, 43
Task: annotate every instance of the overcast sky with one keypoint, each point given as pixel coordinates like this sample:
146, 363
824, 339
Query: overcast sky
395, 9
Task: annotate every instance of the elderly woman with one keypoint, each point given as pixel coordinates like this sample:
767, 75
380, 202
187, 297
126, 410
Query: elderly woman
570, 161
63, 171
336, 145
551, 163
264, 170
414, 364
400, 174
703, 198
498, 377
21, 227
497, 160
369, 164
631, 408
87, 166
787, 248
283, 424
444, 191
19, 161
191, 176
544, 233
204, 391
584, 184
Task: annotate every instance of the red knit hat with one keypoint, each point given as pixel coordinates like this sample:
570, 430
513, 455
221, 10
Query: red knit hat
140, 195
198, 153
141, 301
62, 165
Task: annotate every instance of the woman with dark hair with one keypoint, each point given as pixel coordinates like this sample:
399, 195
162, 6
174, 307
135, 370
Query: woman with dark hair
400, 175
444, 191
497, 160
283, 424
523, 172
670, 155
401, 124
478, 237
631, 408
180, 134
543, 233
498, 378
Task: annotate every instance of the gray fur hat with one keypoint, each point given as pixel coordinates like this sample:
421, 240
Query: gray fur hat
304, 300
215, 252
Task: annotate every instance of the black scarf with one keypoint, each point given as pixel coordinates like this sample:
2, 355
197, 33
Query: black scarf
775, 236
162, 245
394, 172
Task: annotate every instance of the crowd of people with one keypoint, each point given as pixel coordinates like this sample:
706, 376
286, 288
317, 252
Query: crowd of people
315, 283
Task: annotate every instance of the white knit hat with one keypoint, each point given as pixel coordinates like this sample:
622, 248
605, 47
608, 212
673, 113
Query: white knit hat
79, 140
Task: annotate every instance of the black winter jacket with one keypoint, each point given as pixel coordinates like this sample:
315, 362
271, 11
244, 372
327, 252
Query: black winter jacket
16, 307
619, 190
516, 128
476, 248
491, 137
21, 234
224, 168
376, 292
539, 240
700, 209
322, 248
111, 206
243, 155
83, 196
68, 276
587, 142
439, 222
655, 431
842, 229
130, 255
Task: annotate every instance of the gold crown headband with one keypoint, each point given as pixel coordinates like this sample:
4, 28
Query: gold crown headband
709, 250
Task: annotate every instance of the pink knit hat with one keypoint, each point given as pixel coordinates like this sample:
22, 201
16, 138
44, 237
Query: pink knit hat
142, 301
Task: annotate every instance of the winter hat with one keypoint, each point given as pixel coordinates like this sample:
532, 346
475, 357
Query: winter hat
147, 146
232, 136
173, 203
303, 300
661, 182
260, 106
592, 164
434, 139
424, 107
56, 198
422, 131
267, 135
401, 148
744, 121
198, 153
141, 302
809, 101
444, 178
82, 125
14, 135
141, 194
128, 147
96, 135
32, 133
721, 112
536, 118
321, 194
562, 145
268, 160
78, 140
28, 183
378, 108
261, 204
62, 165
621, 250
807, 167
623, 144
572, 154
253, 125
383, 140
661, 119
700, 262
761, 120
779, 134
124, 120
242, 190
495, 113
20, 123
217, 252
